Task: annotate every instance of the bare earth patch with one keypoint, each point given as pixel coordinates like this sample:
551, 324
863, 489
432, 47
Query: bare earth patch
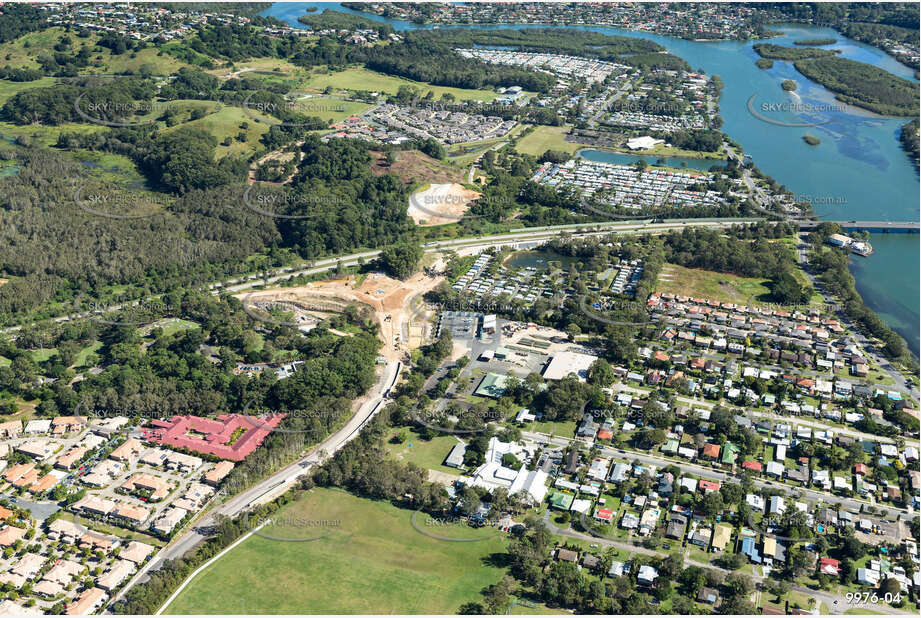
402, 327
440, 204
413, 166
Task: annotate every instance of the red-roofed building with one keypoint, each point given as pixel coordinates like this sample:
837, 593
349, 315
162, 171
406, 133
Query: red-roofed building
754, 466
604, 514
712, 450
860, 469
709, 486
229, 436
829, 566
605, 434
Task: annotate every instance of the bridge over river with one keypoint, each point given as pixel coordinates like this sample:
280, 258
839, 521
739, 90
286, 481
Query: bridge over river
876, 227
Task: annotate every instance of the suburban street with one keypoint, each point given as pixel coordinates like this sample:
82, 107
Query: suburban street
798, 420
708, 473
836, 604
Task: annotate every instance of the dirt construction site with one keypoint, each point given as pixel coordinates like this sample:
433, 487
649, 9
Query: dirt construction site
440, 204
393, 302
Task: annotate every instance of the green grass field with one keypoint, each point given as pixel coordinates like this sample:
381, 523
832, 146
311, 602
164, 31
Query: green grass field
373, 561
542, 139
557, 428
364, 79
225, 122
8, 88
330, 108
712, 285
428, 454
82, 355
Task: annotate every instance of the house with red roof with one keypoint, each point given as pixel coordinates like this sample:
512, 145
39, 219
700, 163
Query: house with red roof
829, 566
708, 486
754, 466
604, 515
711, 450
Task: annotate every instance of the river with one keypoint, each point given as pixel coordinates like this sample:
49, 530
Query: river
858, 171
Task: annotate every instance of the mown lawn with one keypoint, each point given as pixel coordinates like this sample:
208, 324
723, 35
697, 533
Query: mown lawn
543, 139
371, 561
427, 454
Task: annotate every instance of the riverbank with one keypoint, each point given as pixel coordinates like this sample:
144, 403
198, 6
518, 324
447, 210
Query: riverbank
860, 172
681, 164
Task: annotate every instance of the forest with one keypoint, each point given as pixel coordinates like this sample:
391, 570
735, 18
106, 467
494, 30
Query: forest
779, 52
863, 85
56, 248
341, 20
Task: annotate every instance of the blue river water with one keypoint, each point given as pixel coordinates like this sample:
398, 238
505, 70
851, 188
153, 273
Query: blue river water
858, 171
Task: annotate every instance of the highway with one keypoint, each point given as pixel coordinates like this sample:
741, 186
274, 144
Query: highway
276, 484
239, 284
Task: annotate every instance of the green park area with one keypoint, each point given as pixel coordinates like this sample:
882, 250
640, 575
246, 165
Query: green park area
365, 79
427, 454
369, 558
544, 138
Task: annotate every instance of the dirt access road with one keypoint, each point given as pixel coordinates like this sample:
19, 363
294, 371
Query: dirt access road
391, 301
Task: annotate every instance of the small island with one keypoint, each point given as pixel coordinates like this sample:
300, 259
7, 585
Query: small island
789, 85
812, 141
815, 42
764, 63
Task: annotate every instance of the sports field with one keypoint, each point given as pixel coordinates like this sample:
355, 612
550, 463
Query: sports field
369, 559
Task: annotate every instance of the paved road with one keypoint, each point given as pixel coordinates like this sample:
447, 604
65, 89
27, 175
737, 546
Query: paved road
39, 510
281, 274
607, 103
835, 603
756, 414
709, 473
273, 486
868, 347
